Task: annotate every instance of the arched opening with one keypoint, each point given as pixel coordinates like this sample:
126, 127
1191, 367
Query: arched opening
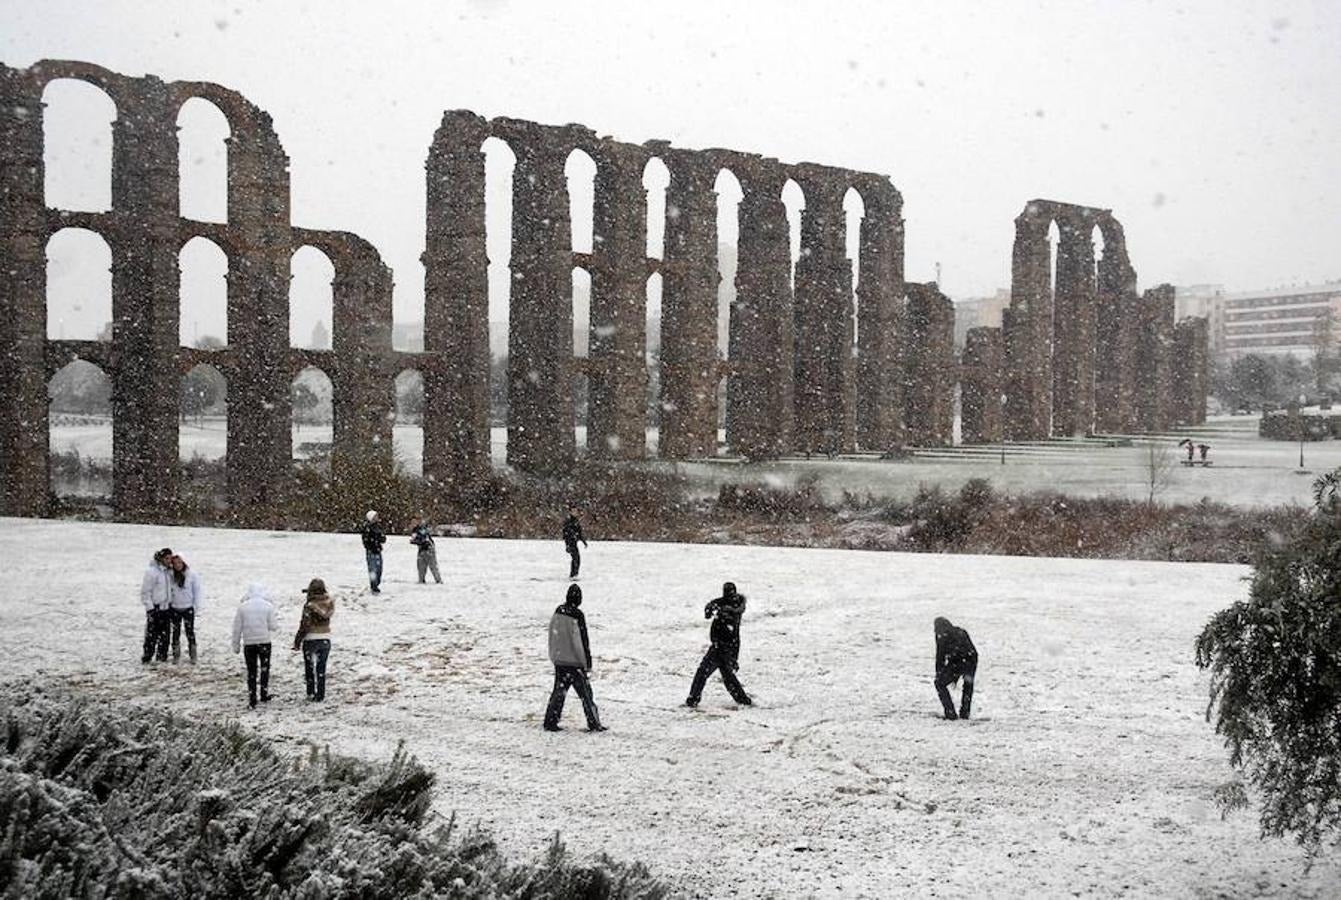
653, 361
311, 398
311, 299
1054, 246
581, 351
77, 146
204, 294
79, 286
656, 179
204, 414
407, 433
80, 431
499, 164
580, 171
729, 195
794, 200
854, 210
202, 161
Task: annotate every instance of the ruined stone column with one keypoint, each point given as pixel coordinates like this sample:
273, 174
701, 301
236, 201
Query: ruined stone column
880, 332
1154, 359
146, 383
456, 307
1116, 283
23, 309
540, 338
1028, 333
689, 309
1189, 371
981, 384
759, 388
930, 369
1073, 347
617, 381
824, 316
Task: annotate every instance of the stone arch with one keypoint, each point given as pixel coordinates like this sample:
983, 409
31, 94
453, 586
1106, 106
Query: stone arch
854, 211
794, 200
77, 144
203, 137
311, 297
580, 171
79, 286
581, 294
500, 162
80, 430
653, 355
656, 180
407, 433
203, 429
203, 305
729, 194
312, 395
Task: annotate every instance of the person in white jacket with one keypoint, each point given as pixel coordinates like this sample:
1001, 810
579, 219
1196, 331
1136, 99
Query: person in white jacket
155, 594
252, 626
184, 599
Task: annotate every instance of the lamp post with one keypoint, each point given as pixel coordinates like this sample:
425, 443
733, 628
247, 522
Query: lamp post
1302, 400
1003, 429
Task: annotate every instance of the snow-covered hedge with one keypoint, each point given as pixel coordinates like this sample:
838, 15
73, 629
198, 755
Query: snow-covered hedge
106, 801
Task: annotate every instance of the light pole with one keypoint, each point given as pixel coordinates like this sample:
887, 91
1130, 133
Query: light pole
1302, 400
1003, 429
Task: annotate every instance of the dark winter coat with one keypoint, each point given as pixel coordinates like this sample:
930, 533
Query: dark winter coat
422, 538
560, 628
373, 536
725, 632
954, 649
572, 532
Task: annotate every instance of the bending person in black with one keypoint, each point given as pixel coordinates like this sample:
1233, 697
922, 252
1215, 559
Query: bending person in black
570, 651
956, 658
724, 654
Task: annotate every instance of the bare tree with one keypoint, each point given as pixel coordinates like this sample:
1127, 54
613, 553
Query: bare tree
1158, 467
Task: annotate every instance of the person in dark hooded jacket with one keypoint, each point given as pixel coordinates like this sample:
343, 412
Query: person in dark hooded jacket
956, 658
572, 533
570, 651
724, 654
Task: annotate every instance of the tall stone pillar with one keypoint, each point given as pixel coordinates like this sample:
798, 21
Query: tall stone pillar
981, 384
1113, 374
824, 316
880, 327
689, 309
146, 383
23, 308
1154, 359
1028, 334
617, 379
456, 307
929, 367
1189, 371
759, 389
1073, 348
540, 334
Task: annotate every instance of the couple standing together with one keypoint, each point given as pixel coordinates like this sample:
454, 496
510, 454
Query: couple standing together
172, 595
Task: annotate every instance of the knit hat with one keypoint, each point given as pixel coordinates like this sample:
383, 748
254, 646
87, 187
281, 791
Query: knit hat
315, 586
728, 590
163, 554
574, 595
371, 514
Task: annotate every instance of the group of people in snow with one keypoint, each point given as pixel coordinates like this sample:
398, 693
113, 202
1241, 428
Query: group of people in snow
171, 594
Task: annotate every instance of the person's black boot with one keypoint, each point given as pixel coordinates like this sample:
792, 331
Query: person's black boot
691, 702
597, 727
549, 727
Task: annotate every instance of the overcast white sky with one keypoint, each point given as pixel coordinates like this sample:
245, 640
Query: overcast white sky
1210, 128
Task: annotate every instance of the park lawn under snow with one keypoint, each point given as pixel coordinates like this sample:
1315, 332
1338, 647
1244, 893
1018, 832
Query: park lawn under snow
1088, 767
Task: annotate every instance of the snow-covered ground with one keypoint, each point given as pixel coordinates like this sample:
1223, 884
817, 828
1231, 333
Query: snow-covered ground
1088, 767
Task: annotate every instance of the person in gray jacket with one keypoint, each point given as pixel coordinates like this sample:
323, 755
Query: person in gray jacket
252, 624
156, 595
570, 651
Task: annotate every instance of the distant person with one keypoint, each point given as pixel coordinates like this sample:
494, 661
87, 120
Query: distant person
156, 595
1191, 449
427, 560
570, 652
373, 539
252, 624
956, 658
1203, 449
572, 533
724, 653
314, 638
183, 605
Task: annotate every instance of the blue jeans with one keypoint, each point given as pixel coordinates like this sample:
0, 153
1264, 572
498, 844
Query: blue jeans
374, 569
315, 654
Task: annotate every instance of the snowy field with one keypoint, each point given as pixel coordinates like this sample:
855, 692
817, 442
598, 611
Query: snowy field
1088, 769
1247, 470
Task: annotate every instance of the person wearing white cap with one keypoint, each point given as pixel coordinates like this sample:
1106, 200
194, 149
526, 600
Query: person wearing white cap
373, 539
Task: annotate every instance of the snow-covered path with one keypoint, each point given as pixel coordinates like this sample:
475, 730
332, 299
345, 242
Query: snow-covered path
1089, 767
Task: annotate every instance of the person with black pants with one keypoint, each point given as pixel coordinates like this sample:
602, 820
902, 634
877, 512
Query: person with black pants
572, 533
156, 596
184, 604
252, 625
570, 651
314, 638
724, 654
373, 539
956, 658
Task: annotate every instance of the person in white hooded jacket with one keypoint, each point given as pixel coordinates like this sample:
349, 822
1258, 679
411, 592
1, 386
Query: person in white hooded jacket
252, 626
184, 605
156, 594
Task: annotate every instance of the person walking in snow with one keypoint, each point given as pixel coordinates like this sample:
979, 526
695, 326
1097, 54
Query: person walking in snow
724, 653
422, 537
184, 602
956, 658
572, 533
314, 637
373, 539
252, 624
570, 651
156, 595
